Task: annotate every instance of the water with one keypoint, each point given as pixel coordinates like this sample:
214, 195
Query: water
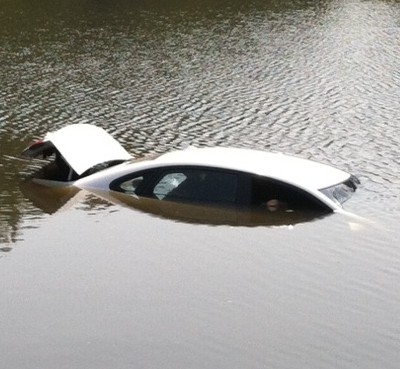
88, 284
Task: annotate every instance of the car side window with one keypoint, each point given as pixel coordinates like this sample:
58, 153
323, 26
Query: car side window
276, 195
167, 184
131, 185
197, 185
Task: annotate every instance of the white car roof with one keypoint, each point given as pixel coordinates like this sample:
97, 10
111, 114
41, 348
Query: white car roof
85, 145
297, 171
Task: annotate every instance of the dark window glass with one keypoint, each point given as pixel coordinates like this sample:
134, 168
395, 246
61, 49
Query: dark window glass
277, 195
135, 183
131, 185
197, 185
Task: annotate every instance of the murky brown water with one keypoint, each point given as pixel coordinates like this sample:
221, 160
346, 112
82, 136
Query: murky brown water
92, 284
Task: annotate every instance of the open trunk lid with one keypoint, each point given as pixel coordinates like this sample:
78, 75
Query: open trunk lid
81, 145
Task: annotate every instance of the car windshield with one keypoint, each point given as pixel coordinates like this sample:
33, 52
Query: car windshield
341, 192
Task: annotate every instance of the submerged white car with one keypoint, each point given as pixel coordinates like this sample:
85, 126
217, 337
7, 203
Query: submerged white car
89, 158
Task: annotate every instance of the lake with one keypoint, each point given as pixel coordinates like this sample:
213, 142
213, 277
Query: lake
88, 283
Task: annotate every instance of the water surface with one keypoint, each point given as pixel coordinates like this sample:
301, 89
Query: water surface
92, 284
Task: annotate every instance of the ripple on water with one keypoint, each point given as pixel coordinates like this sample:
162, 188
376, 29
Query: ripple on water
320, 82
316, 79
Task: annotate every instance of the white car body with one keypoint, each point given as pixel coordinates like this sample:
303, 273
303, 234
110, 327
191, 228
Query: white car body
83, 146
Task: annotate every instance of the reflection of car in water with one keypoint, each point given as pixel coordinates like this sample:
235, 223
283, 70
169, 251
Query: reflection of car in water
56, 199
226, 178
